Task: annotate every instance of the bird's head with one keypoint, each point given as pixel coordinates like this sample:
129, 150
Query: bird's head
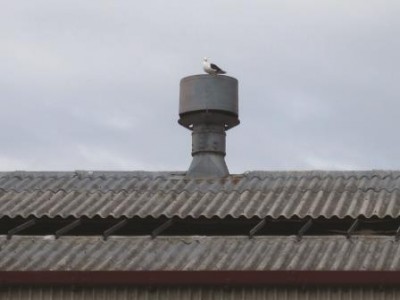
205, 59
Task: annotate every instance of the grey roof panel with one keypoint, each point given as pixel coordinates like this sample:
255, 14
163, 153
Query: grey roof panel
154, 194
199, 253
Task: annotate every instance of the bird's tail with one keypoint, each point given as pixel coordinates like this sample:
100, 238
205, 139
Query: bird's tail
221, 72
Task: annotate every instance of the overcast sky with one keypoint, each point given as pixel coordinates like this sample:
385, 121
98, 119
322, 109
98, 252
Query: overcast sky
95, 84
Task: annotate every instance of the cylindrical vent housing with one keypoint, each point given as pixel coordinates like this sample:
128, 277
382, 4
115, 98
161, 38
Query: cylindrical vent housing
208, 105
208, 99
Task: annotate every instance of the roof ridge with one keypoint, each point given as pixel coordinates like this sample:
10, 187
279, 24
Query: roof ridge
328, 175
165, 174
90, 174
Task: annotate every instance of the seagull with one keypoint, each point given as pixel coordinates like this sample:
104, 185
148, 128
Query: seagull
211, 68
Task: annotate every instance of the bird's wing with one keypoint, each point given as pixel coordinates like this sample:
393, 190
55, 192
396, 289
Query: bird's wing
215, 67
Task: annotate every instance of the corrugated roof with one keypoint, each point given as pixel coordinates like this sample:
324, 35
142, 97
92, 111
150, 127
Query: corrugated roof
198, 253
154, 194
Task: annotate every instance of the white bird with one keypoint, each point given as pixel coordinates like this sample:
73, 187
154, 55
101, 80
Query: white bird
211, 68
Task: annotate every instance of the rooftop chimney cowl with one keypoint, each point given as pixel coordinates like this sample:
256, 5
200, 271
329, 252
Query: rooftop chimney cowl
208, 106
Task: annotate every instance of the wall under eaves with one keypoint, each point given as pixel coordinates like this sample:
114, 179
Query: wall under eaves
226, 293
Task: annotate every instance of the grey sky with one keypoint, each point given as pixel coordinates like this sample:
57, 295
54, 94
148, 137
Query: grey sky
94, 84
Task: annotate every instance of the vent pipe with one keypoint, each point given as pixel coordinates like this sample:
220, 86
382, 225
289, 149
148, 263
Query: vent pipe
208, 106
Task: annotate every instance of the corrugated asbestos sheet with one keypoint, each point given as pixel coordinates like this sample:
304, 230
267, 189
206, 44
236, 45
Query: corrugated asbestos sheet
253, 194
198, 253
223, 293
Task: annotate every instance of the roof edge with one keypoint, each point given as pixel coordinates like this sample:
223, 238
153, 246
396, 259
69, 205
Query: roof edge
309, 278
